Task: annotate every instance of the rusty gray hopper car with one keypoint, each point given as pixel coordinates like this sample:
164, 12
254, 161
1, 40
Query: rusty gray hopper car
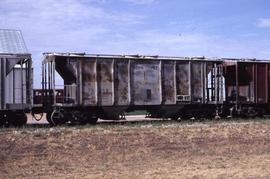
15, 79
107, 86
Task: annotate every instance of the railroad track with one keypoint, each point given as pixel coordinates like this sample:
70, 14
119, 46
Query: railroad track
141, 120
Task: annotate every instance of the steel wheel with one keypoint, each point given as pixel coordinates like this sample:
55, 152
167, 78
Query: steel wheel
79, 117
92, 119
57, 118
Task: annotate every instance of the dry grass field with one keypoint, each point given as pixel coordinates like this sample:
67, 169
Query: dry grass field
138, 150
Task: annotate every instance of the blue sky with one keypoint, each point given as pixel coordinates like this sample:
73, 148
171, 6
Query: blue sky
212, 28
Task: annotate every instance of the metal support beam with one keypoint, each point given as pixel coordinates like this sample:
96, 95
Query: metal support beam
266, 83
3, 83
175, 82
216, 82
203, 78
236, 84
79, 84
160, 81
189, 79
53, 81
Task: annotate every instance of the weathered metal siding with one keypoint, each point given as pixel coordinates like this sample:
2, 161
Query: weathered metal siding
122, 82
72, 65
168, 82
15, 86
146, 84
183, 78
105, 82
247, 89
262, 83
197, 81
71, 88
89, 82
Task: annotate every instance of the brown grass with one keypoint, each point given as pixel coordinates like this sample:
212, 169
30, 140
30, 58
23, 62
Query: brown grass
166, 150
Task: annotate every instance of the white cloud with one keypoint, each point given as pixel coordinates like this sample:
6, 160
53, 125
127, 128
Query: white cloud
263, 22
50, 24
63, 25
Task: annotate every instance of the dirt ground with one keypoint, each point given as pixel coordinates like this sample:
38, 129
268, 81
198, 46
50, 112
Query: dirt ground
160, 149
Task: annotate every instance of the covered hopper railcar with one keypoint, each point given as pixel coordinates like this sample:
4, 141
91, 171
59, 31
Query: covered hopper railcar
107, 86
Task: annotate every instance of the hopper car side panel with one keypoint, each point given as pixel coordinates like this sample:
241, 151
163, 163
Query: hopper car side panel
197, 81
146, 83
262, 83
122, 82
89, 83
106, 87
112, 82
183, 76
105, 82
168, 82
